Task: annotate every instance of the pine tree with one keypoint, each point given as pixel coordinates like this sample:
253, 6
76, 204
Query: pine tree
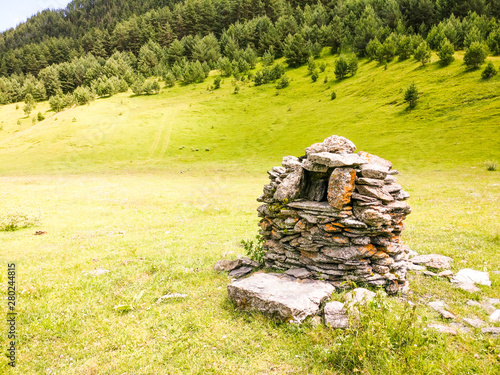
341, 67
475, 55
29, 104
446, 52
489, 71
423, 53
411, 96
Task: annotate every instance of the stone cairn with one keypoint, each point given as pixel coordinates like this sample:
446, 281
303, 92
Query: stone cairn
338, 214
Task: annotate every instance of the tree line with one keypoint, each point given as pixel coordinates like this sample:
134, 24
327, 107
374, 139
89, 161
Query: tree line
96, 46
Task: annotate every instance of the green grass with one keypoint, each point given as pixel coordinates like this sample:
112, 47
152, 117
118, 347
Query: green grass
115, 190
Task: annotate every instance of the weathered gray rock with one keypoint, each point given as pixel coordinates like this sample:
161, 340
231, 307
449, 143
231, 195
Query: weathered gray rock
322, 207
474, 322
493, 301
429, 273
290, 187
284, 296
336, 160
437, 261
415, 267
340, 144
468, 287
446, 273
495, 316
316, 148
495, 331
336, 315
490, 309
317, 190
440, 307
98, 272
375, 192
229, 265
443, 329
370, 181
299, 273
340, 187
240, 272
468, 275
313, 167
374, 159
343, 254
460, 327
291, 162
473, 303
374, 171
371, 216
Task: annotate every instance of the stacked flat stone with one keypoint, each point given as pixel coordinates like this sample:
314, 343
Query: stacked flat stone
338, 214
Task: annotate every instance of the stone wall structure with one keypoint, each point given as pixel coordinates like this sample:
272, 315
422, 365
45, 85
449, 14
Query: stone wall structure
338, 214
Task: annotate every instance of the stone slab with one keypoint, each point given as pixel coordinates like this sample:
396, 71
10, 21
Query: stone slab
468, 275
279, 295
437, 261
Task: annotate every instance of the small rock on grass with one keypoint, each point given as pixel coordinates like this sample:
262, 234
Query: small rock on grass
429, 273
468, 275
439, 306
492, 330
98, 272
474, 322
443, 329
473, 303
446, 273
469, 287
436, 261
460, 327
495, 317
490, 309
229, 265
493, 301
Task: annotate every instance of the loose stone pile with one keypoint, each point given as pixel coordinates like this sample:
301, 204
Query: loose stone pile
337, 213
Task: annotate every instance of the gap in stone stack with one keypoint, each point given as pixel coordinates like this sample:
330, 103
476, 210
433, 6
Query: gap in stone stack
337, 214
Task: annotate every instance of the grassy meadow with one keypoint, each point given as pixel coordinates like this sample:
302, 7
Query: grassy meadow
156, 189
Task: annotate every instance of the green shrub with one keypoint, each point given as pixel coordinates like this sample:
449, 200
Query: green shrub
475, 55
445, 53
255, 250
40, 117
12, 220
283, 82
333, 96
314, 76
491, 165
169, 79
341, 67
489, 71
423, 53
411, 95
83, 95
217, 82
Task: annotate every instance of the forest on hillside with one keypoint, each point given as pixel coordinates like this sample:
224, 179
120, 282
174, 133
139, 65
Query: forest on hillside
99, 47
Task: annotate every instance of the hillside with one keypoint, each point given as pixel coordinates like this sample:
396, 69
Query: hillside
454, 125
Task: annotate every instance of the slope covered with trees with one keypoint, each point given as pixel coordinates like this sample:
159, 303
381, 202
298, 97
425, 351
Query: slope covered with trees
107, 46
